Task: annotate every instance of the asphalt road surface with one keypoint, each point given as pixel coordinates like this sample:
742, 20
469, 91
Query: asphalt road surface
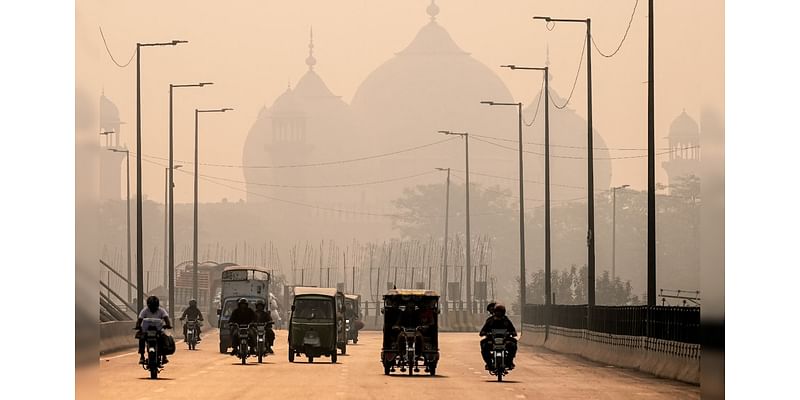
540, 374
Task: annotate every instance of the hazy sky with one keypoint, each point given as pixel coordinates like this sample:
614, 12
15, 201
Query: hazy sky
253, 49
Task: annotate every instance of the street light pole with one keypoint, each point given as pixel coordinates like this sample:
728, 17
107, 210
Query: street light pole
589, 156
446, 233
465, 135
128, 212
139, 233
547, 246
196, 172
170, 265
522, 272
651, 163
614, 230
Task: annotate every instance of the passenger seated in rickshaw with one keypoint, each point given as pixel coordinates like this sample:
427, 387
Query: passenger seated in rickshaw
408, 319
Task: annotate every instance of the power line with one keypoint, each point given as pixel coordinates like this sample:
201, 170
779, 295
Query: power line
341, 185
517, 180
575, 83
583, 158
625, 36
109, 51
317, 164
567, 146
538, 102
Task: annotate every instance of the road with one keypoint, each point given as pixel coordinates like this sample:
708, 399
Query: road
540, 374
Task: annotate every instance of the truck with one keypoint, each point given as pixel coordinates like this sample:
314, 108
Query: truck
251, 283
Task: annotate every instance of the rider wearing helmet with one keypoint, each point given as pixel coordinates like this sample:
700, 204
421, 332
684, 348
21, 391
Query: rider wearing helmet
486, 341
153, 310
498, 320
193, 313
242, 315
263, 316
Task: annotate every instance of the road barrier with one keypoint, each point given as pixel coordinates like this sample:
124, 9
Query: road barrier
117, 335
660, 340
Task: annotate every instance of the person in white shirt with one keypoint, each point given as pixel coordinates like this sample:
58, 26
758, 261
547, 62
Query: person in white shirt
145, 321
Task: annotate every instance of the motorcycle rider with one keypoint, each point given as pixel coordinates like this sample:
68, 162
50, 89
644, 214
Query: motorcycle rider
486, 341
264, 316
242, 315
193, 313
408, 318
498, 320
151, 311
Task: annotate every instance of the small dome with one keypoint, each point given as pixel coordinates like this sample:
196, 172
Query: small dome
286, 105
684, 130
109, 114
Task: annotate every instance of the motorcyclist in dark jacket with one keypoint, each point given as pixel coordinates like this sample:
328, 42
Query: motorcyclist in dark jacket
263, 317
242, 315
193, 313
153, 310
498, 320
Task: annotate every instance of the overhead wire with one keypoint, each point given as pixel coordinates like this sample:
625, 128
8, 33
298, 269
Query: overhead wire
624, 36
575, 83
581, 157
566, 146
111, 55
341, 185
316, 164
538, 102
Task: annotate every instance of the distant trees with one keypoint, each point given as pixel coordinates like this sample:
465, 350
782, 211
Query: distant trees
570, 287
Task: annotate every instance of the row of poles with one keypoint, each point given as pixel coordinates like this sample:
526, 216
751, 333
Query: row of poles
170, 186
590, 233
651, 243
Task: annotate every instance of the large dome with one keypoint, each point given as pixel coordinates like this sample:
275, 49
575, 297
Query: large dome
430, 85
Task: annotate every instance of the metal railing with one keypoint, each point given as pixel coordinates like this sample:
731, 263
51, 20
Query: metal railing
680, 324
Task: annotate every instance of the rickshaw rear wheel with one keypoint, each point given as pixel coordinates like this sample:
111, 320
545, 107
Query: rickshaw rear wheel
311, 359
333, 358
432, 370
223, 348
291, 355
386, 369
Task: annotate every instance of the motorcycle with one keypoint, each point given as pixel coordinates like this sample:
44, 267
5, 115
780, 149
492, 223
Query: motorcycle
243, 347
153, 337
192, 336
499, 353
261, 341
410, 355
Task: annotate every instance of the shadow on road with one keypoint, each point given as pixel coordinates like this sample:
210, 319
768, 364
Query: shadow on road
157, 379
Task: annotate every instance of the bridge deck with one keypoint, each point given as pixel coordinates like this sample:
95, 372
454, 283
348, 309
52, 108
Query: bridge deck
540, 374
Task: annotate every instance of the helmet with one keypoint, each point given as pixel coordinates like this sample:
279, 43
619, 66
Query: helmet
242, 301
490, 307
192, 303
260, 303
500, 310
152, 302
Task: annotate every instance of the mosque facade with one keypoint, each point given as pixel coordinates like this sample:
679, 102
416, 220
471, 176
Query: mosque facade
430, 85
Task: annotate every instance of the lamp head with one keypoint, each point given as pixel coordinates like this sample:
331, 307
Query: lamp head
174, 42
491, 103
510, 66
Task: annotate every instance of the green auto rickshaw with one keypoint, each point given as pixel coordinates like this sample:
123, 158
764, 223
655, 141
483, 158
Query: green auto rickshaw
317, 324
352, 313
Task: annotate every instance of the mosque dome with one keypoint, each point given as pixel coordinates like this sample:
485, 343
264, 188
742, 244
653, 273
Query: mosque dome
430, 85
684, 130
109, 114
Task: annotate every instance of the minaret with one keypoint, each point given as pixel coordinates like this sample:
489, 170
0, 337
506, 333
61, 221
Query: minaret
684, 148
111, 163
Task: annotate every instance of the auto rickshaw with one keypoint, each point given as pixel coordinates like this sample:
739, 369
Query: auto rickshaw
352, 313
410, 331
317, 325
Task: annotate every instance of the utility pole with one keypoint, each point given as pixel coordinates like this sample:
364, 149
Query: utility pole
651, 164
446, 233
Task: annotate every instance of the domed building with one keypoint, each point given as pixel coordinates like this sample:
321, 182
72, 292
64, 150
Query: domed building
684, 148
430, 85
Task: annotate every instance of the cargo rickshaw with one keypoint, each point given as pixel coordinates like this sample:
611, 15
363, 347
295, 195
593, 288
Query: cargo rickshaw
317, 324
352, 313
410, 331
